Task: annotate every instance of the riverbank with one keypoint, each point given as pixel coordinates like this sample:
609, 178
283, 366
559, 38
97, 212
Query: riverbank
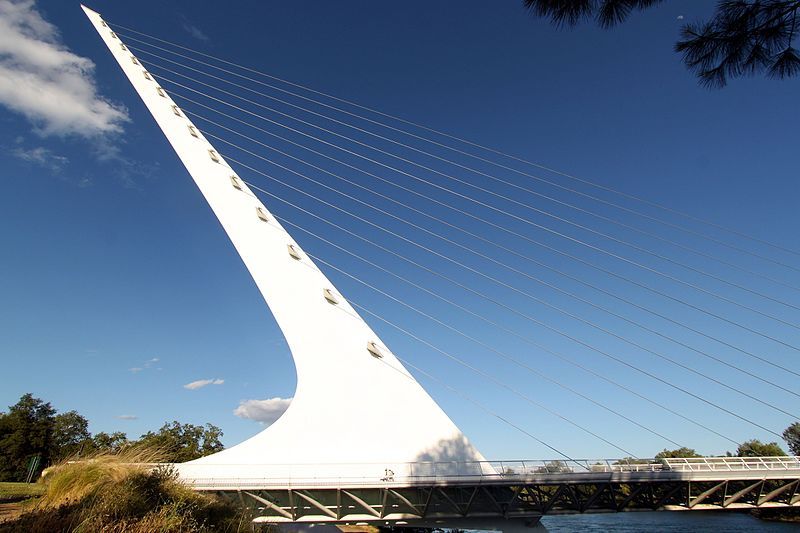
778, 515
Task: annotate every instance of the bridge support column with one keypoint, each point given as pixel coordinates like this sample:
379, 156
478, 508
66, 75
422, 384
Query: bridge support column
356, 412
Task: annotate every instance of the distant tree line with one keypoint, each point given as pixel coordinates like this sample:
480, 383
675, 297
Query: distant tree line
33, 429
32, 432
749, 448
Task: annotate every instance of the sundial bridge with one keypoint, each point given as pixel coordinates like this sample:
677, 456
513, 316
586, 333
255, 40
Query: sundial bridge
416, 468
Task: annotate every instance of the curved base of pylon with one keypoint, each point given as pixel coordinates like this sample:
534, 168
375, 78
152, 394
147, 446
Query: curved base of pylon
304, 446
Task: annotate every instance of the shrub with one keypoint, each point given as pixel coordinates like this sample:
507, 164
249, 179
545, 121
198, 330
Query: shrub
124, 493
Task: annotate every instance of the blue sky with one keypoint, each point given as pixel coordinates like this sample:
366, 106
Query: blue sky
119, 287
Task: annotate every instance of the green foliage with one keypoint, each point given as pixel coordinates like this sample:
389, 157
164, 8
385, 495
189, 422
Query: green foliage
25, 431
792, 437
756, 448
109, 442
184, 442
632, 461
743, 37
32, 428
570, 12
553, 467
70, 435
678, 453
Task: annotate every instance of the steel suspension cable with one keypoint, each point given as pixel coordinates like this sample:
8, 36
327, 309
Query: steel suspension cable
471, 400
506, 182
489, 241
525, 274
532, 297
512, 215
497, 381
522, 337
525, 237
706, 311
519, 313
473, 144
486, 375
525, 339
492, 349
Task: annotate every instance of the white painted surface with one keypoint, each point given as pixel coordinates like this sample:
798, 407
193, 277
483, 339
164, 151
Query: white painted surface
349, 406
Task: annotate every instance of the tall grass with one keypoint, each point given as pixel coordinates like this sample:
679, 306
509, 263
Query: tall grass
74, 481
123, 493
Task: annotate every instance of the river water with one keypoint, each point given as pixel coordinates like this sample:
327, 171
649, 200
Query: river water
663, 522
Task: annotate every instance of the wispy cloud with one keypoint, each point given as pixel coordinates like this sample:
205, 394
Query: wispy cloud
150, 363
42, 157
264, 411
193, 30
200, 383
44, 81
127, 417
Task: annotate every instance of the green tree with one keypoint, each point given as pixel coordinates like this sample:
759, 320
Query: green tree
109, 442
631, 461
678, 453
553, 467
25, 432
70, 435
756, 448
792, 437
743, 37
183, 442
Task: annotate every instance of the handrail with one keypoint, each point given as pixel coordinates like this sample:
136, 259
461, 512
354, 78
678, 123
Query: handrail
200, 474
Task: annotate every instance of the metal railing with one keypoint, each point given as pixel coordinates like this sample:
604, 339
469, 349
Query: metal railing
729, 464
242, 475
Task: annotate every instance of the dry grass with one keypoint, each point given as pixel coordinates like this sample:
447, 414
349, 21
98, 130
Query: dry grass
73, 481
123, 493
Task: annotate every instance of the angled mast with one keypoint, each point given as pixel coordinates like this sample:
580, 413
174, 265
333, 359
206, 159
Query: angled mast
355, 403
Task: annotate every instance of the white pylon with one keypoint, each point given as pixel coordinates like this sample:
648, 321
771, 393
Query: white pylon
356, 411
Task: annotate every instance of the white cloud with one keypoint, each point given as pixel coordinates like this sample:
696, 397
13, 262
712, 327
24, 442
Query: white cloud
127, 417
51, 86
194, 31
42, 157
200, 383
264, 411
147, 365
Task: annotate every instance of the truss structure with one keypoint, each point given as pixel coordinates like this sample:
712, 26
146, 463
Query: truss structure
525, 503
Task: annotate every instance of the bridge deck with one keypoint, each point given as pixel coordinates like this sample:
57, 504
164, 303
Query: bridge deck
435, 493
